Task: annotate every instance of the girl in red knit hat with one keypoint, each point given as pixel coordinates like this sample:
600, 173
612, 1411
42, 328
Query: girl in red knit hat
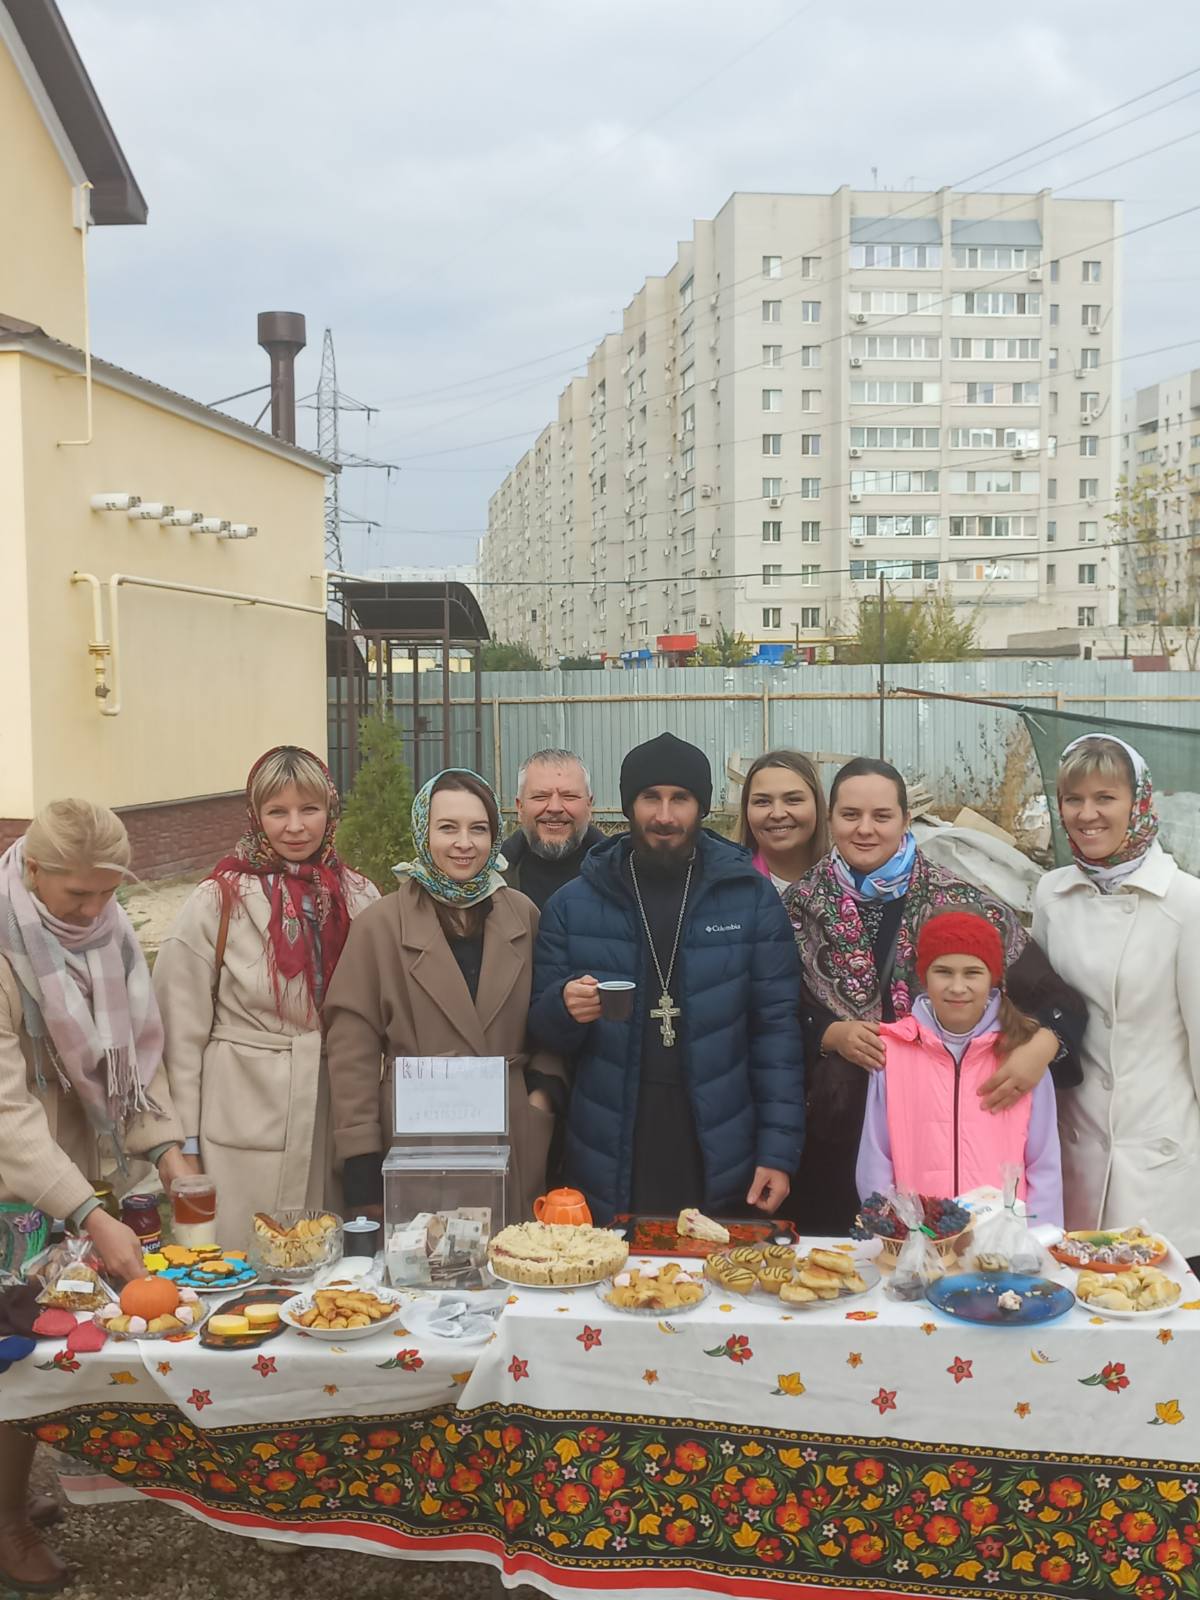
925, 1127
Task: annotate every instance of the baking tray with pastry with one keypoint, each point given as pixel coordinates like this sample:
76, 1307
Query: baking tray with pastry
798, 1282
693, 1234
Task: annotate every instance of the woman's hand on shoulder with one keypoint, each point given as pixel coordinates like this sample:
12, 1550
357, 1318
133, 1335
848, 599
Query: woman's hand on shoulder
1019, 1072
855, 1041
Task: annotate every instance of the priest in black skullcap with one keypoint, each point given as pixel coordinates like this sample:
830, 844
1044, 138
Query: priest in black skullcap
697, 1098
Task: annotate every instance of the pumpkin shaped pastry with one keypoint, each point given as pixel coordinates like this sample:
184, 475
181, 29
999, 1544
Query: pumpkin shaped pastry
149, 1298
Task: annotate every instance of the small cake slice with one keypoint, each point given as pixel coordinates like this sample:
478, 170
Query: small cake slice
694, 1224
227, 1325
261, 1317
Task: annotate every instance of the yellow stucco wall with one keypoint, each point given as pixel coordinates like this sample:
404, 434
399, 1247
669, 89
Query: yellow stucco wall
16, 769
41, 276
207, 685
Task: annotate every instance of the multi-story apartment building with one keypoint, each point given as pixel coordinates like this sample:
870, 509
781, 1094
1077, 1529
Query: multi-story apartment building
824, 389
1160, 443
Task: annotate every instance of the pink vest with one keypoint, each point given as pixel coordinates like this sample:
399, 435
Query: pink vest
943, 1142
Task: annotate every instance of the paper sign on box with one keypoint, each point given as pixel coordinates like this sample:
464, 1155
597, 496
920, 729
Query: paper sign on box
450, 1094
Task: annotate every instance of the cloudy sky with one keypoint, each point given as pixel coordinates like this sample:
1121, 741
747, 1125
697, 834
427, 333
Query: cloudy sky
468, 191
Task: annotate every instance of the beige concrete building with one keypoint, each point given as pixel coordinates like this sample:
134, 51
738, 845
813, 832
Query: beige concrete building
821, 389
1161, 435
146, 657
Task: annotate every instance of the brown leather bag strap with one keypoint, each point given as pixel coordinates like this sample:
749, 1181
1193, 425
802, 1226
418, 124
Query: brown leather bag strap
222, 941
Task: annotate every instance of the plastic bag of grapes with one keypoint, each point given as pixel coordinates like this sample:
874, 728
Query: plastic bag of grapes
1003, 1242
918, 1264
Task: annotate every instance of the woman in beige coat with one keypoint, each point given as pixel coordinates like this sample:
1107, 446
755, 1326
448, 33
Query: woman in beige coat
81, 1080
1122, 924
243, 1027
443, 967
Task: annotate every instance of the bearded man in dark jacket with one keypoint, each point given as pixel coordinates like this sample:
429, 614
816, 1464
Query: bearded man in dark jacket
697, 1098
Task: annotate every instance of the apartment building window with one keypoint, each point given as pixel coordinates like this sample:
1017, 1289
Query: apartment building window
810, 574
1087, 574
772, 444
1089, 400
810, 616
772, 266
810, 444
810, 532
687, 377
810, 355
1054, 313
686, 291
994, 394
1089, 444
895, 302
810, 488
1088, 532
1090, 314
1051, 532
688, 337
919, 256
810, 399
1051, 488
772, 310
642, 344
896, 346
772, 488
810, 311
772, 533
1053, 364
1053, 398
687, 500
995, 438
996, 303
893, 525
992, 481
893, 480
1089, 488
686, 461
995, 349
772, 355
772, 574
772, 399
810, 266
689, 622
688, 420
643, 629
688, 541
993, 527
1054, 272
688, 582
772, 617
1091, 272
1089, 359
900, 570
990, 257
895, 438
889, 391
1051, 574
1085, 617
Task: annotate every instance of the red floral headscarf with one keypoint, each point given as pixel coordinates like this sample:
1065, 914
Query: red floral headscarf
299, 943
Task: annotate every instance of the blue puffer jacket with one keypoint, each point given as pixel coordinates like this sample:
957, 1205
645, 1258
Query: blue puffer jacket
737, 982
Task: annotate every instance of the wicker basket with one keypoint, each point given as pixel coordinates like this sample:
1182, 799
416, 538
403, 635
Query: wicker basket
949, 1249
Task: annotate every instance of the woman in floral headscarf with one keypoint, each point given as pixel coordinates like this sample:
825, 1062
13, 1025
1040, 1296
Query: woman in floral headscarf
443, 967
1123, 925
241, 980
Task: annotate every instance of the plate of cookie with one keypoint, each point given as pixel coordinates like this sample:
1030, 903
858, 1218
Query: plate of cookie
655, 1289
1135, 1295
800, 1282
207, 1268
343, 1314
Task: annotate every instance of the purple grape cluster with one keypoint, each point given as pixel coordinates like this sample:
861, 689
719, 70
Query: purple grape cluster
944, 1217
877, 1218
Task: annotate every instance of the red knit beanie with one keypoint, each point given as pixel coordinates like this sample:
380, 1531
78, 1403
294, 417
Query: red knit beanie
960, 933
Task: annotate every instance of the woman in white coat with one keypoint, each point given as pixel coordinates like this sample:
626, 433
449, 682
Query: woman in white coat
1123, 926
241, 979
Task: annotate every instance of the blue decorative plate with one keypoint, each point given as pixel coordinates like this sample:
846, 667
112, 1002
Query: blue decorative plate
975, 1297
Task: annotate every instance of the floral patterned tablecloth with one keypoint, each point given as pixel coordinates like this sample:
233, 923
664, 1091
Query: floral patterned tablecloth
736, 1449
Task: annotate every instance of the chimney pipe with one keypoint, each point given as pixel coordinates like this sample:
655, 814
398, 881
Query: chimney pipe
282, 336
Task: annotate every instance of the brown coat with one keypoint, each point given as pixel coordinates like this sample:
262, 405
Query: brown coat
398, 991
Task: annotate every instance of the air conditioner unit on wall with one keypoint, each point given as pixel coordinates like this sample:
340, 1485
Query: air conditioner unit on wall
706, 491
1035, 274
775, 501
856, 361
704, 620
855, 452
855, 497
1093, 328
859, 317
858, 538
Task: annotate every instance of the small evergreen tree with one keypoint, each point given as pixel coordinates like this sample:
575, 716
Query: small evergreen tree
727, 649
376, 826
499, 656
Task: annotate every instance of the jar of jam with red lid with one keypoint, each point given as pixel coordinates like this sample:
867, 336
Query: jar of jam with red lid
139, 1212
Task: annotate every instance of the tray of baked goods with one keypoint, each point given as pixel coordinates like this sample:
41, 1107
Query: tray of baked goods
555, 1255
693, 1234
1114, 1250
655, 1289
800, 1282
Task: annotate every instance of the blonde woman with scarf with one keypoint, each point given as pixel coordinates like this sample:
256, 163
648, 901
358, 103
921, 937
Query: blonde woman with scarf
1122, 924
243, 1027
82, 1087
443, 967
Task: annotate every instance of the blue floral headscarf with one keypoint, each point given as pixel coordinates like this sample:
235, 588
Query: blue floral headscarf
425, 871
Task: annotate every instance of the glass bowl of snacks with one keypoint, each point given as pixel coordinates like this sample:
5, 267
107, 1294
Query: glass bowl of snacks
293, 1246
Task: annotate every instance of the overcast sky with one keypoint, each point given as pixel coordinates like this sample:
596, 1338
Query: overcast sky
457, 188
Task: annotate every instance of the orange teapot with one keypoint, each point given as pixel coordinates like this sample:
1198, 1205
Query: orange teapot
562, 1205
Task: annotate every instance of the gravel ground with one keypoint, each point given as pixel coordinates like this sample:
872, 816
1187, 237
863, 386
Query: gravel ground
153, 907
145, 1551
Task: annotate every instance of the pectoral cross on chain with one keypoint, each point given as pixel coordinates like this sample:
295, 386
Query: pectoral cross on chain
666, 1011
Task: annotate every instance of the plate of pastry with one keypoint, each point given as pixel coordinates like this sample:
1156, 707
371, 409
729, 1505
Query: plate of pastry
798, 1282
655, 1289
1134, 1295
1111, 1251
555, 1255
343, 1314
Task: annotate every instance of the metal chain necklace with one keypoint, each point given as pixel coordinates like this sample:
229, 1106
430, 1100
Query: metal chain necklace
666, 1011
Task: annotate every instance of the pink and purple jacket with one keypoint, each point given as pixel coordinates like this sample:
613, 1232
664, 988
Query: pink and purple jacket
926, 1130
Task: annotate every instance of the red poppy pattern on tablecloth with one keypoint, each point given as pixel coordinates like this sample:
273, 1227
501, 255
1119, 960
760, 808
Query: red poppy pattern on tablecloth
607, 1491
589, 1338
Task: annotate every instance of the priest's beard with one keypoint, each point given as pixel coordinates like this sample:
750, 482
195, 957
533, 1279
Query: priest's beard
553, 849
666, 850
